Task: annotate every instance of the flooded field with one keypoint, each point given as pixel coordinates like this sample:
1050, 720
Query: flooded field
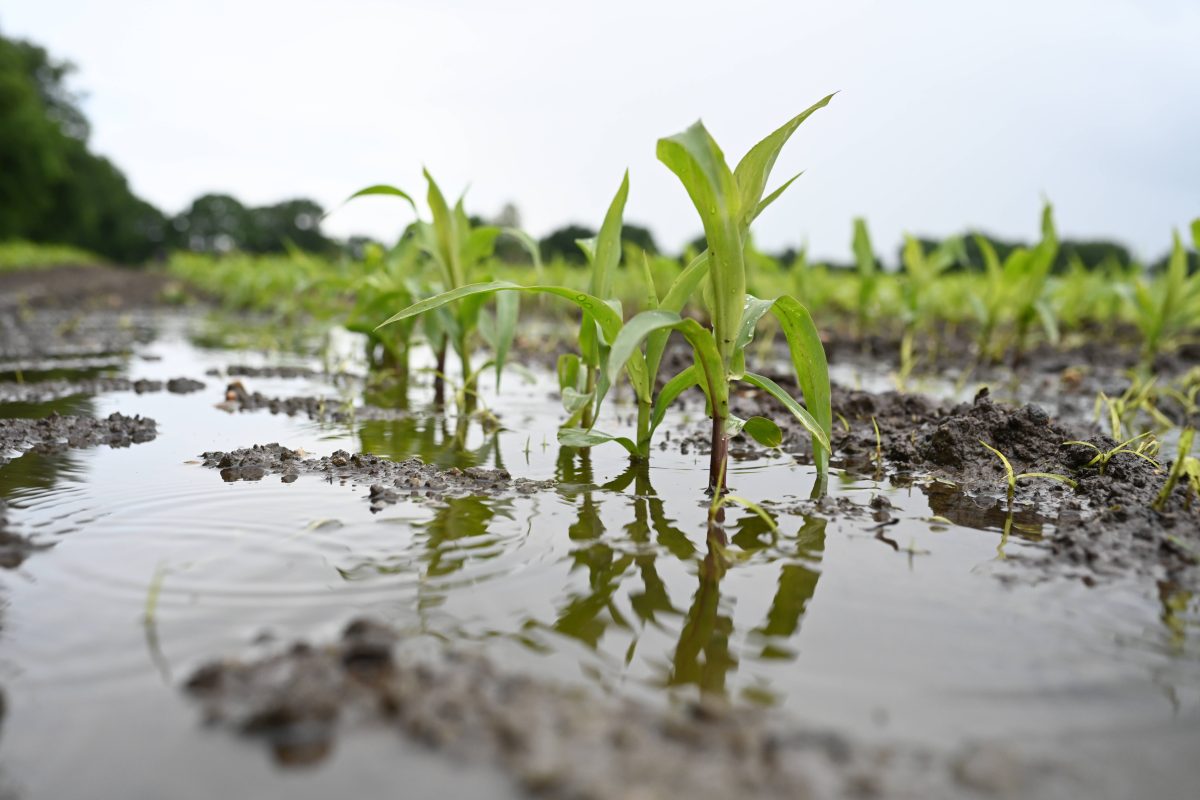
896, 614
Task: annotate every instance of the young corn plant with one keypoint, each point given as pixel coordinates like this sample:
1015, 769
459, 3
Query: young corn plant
868, 275
460, 252
1015, 292
1144, 446
602, 320
728, 201
1186, 467
1012, 476
1170, 306
919, 279
579, 374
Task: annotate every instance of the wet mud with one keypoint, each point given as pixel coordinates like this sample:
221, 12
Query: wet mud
390, 481
55, 434
78, 287
555, 742
45, 391
1106, 525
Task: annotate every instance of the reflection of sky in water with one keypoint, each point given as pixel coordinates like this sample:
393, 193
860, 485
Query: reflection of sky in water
611, 580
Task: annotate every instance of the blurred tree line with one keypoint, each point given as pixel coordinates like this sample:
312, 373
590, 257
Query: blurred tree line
55, 190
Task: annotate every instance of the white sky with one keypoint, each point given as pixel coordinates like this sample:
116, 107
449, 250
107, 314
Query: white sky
952, 113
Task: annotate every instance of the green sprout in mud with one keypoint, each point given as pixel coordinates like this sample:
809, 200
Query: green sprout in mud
1146, 448
728, 201
1014, 292
1167, 308
1186, 467
922, 272
1121, 411
460, 251
1012, 476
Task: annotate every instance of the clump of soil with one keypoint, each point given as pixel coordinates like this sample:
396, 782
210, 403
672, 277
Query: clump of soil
1106, 525
390, 481
54, 434
558, 743
43, 391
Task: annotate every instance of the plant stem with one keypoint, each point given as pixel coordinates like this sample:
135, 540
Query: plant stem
589, 418
439, 378
719, 455
643, 429
468, 387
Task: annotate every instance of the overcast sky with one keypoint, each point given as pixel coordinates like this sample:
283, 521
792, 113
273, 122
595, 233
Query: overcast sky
951, 113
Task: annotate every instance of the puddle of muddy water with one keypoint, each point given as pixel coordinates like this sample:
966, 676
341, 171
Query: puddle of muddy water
607, 581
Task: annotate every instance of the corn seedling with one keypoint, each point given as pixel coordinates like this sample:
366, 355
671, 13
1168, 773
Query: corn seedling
579, 374
1186, 467
460, 252
920, 279
1145, 449
1011, 476
1014, 291
1168, 307
868, 274
728, 201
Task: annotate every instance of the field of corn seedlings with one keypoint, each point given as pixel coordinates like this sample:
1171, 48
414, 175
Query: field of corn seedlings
711, 526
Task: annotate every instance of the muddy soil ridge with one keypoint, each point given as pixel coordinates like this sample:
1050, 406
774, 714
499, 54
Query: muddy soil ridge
1106, 525
390, 481
44, 391
54, 433
555, 742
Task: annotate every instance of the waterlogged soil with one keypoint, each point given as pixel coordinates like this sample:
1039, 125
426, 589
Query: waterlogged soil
557, 743
1106, 524
530, 621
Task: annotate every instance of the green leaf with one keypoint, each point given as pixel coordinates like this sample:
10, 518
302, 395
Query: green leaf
763, 431
700, 165
508, 309
812, 370
672, 389
754, 170
751, 314
606, 317
384, 189
578, 437
771, 198
568, 368
529, 244
675, 299
574, 400
608, 243
625, 347
820, 435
